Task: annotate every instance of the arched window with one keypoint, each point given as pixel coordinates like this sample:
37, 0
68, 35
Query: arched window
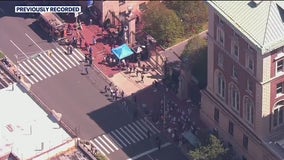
249, 110
278, 112
221, 86
235, 97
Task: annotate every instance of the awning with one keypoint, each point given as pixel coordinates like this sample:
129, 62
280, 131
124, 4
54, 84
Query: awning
191, 138
122, 51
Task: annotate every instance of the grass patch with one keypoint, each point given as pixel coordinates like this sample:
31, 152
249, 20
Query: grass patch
1, 55
99, 156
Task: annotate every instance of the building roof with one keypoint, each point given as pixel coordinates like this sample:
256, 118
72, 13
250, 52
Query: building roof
262, 22
25, 129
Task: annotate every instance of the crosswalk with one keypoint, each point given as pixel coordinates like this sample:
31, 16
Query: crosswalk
5, 80
49, 63
124, 136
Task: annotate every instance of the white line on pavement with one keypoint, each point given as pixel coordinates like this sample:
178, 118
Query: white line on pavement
106, 144
75, 54
19, 48
116, 136
70, 55
41, 67
98, 148
134, 124
55, 57
81, 54
149, 151
147, 126
43, 57
56, 53
28, 72
151, 124
64, 55
139, 123
122, 136
39, 59
132, 134
102, 146
141, 137
36, 68
48, 57
26, 76
127, 135
110, 142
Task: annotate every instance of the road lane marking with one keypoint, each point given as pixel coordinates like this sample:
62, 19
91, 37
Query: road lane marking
116, 136
122, 136
70, 55
36, 68
146, 120
102, 146
106, 144
149, 151
64, 55
127, 135
55, 57
51, 63
56, 53
140, 124
40, 60
49, 57
27, 72
141, 137
110, 142
51, 66
26, 76
41, 67
19, 49
97, 148
132, 134
32, 71
139, 129
80, 53
75, 54
147, 126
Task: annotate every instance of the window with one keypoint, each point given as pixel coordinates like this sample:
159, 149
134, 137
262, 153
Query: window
216, 114
221, 85
249, 110
245, 141
220, 60
278, 114
250, 86
279, 66
220, 36
250, 59
235, 47
231, 128
235, 72
235, 98
279, 89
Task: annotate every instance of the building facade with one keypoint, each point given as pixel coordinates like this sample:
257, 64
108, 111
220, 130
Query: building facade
244, 97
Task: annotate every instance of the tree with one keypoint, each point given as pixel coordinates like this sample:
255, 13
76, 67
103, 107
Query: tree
162, 23
195, 55
214, 150
194, 14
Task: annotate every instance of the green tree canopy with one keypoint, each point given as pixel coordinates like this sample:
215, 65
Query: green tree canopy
194, 57
194, 14
212, 151
162, 23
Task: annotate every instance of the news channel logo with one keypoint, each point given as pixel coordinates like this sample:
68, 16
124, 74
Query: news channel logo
43, 9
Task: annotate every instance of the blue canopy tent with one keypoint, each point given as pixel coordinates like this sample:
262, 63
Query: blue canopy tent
122, 51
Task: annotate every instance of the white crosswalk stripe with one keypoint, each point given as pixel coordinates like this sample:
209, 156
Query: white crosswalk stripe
124, 136
151, 124
121, 141
49, 63
97, 148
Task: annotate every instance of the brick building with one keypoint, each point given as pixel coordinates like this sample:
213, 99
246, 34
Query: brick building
244, 97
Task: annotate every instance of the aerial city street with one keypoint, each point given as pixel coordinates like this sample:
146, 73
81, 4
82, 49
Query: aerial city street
141, 80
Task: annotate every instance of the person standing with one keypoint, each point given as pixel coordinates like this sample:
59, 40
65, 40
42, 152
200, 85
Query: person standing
142, 78
86, 70
94, 40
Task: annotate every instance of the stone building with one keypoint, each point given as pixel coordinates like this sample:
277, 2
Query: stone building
244, 97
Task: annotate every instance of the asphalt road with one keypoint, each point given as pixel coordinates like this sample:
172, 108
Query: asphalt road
58, 82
